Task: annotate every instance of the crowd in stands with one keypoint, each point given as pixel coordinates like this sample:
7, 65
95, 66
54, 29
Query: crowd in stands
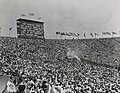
42, 66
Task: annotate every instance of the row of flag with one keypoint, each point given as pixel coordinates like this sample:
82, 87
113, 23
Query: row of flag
30, 14
68, 34
77, 34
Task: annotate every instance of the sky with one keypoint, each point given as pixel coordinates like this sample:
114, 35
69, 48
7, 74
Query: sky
79, 16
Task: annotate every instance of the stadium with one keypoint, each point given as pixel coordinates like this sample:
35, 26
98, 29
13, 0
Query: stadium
72, 65
59, 46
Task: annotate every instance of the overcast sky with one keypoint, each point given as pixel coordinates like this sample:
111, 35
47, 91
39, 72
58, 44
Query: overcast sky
80, 16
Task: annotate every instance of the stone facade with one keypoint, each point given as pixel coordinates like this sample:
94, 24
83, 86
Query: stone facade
30, 29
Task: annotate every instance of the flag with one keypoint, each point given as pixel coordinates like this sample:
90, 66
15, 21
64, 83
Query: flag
0, 29
91, 34
62, 33
78, 34
67, 34
75, 34
39, 18
71, 33
114, 33
57, 33
31, 14
96, 34
84, 35
23, 15
106, 33
10, 28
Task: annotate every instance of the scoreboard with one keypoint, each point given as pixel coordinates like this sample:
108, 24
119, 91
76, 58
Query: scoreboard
30, 29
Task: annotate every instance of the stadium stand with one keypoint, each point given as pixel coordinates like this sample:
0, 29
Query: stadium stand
42, 65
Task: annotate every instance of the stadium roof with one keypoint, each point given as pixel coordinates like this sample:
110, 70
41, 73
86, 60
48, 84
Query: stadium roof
29, 20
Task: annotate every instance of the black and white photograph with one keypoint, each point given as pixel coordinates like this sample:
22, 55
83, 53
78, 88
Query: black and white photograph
59, 46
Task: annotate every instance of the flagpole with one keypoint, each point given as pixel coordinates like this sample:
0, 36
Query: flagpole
0, 32
112, 35
9, 32
65, 36
56, 36
29, 16
23, 15
95, 35
60, 36
84, 36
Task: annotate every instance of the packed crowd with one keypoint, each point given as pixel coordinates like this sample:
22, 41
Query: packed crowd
44, 67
